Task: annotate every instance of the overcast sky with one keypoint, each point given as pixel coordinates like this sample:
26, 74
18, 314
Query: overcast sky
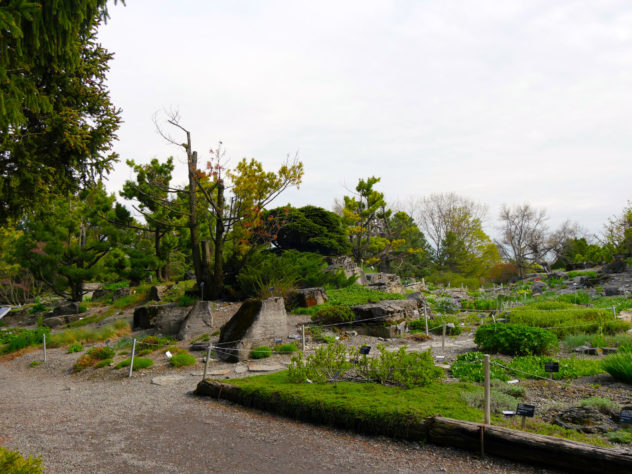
499, 101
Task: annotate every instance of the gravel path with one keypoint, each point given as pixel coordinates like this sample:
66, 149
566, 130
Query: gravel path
85, 424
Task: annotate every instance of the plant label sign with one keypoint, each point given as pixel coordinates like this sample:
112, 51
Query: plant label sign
625, 417
364, 350
551, 367
525, 410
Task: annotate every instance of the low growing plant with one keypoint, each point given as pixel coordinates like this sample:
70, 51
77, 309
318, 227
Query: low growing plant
139, 363
334, 314
286, 348
261, 352
12, 462
182, 359
515, 339
619, 365
75, 347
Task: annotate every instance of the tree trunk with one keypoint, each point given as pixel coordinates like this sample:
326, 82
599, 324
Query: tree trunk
76, 290
193, 220
160, 276
217, 283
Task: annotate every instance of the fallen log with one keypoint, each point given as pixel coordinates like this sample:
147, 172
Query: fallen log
528, 447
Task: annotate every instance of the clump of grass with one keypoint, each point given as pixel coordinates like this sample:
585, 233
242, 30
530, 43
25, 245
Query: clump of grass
619, 365
101, 353
19, 339
139, 363
499, 401
604, 405
286, 348
619, 437
202, 338
35, 363
186, 300
103, 363
350, 296
144, 352
129, 300
182, 359
261, 352
153, 343
75, 347
85, 335
95, 318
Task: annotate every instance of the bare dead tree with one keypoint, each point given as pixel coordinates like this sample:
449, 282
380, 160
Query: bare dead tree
523, 240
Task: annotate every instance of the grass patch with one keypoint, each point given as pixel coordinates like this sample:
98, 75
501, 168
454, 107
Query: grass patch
350, 296
469, 367
86, 335
76, 347
182, 359
286, 348
95, 318
103, 363
35, 363
619, 366
130, 300
564, 318
13, 340
597, 340
261, 352
139, 363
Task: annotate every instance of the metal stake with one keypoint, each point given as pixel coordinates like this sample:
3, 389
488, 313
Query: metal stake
487, 391
208, 356
44, 345
131, 362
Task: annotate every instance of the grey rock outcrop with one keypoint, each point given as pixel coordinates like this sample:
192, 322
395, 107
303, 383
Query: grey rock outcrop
422, 304
585, 420
386, 318
538, 287
306, 297
165, 319
67, 308
256, 323
198, 321
348, 267
387, 282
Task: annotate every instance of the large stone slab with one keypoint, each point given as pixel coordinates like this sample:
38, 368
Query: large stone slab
307, 297
198, 321
388, 311
165, 319
167, 379
348, 267
387, 282
257, 323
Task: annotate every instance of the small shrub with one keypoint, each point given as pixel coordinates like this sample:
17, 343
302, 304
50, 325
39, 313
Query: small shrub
604, 405
619, 365
117, 285
619, 437
16, 340
286, 348
437, 325
35, 363
139, 363
515, 339
101, 353
469, 367
144, 352
83, 362
182, 359
12, 462
515, 391
261, 352
103, 363
153, 343
499, 401
569, 368
186, 300
334, 314
75, 347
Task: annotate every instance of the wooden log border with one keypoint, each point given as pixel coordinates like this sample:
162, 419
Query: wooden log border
502, 442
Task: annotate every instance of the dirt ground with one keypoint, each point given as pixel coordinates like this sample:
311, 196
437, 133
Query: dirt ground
116, 424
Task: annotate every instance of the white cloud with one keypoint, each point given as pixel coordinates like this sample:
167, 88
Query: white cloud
501, 101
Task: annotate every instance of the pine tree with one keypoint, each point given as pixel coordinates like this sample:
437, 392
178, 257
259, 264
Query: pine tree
56, 119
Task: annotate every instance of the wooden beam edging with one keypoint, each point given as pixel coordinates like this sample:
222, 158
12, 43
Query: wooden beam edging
498, 441
528, 447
